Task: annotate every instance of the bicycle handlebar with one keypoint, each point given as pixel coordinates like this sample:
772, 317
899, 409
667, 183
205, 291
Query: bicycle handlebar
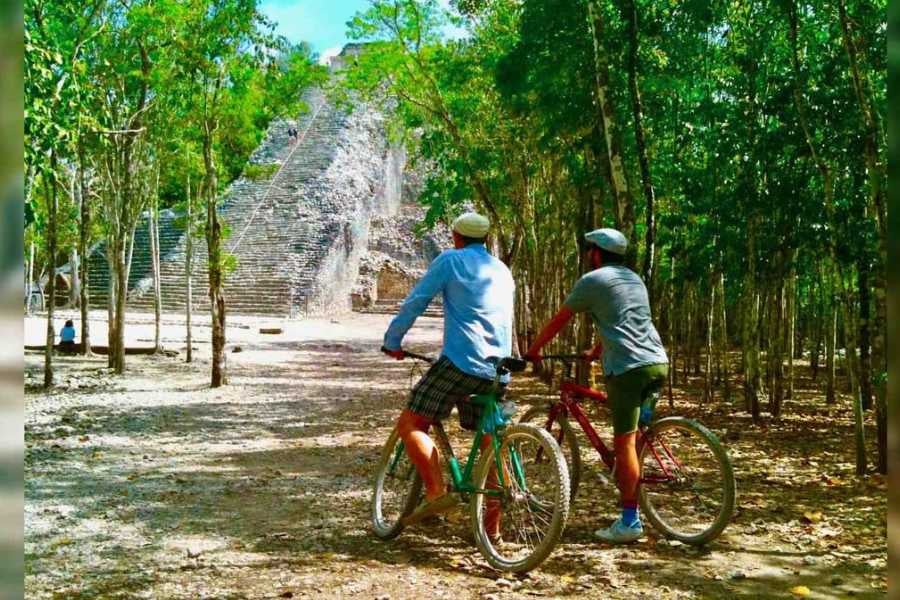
565, 357
407, 354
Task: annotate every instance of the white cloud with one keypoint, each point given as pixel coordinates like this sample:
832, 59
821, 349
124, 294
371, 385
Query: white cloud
328, 54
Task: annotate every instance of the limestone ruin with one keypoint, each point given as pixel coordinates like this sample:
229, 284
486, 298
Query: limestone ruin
331, 230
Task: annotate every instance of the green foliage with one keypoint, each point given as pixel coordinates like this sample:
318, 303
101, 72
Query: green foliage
507, 119
144, 82
264, 172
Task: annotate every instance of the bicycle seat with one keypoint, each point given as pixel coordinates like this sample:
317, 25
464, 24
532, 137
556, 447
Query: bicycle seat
511, 364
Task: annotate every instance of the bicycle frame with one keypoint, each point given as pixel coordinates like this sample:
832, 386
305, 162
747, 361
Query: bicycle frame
569, 395
461, 479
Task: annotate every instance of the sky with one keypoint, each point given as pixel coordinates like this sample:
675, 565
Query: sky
322, 23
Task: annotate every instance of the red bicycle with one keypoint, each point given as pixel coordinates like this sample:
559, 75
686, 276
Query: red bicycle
687, 487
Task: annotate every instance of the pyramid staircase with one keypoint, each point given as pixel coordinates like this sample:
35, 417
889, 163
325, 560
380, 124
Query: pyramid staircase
282, 230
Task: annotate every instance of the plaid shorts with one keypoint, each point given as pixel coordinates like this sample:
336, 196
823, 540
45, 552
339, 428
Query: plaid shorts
443, 387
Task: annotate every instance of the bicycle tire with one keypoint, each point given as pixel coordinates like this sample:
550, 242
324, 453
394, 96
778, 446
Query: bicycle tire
537, 415
385, 527
726, 472
560, 499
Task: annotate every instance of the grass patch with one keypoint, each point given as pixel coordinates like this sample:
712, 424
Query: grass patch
260, 172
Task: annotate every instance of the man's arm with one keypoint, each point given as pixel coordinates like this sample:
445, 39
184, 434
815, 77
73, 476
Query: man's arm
414, 305
578, 301
549, 331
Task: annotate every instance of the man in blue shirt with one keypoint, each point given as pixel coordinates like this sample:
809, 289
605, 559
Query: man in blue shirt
478, 292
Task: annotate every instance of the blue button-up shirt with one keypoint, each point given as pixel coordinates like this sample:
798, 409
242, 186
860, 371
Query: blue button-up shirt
478, 293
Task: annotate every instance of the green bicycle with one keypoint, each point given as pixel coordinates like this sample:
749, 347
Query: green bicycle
533, 495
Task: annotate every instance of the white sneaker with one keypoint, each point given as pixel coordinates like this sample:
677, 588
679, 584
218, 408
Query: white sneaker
619, 533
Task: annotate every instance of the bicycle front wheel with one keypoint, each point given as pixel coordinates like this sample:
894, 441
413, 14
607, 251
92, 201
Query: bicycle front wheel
687, 489
396, 491
533, 500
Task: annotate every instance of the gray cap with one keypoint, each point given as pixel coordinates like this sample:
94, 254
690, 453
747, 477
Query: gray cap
611, 240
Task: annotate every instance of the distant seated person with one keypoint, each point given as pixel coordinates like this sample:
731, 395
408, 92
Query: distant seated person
67, 338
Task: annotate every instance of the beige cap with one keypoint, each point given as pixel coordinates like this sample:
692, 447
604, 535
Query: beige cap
471, 225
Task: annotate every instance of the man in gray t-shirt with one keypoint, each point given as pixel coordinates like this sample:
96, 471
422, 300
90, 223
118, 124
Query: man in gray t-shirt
616, 299
634, 360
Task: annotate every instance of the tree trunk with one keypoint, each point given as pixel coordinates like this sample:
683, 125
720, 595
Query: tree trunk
723, 340
776, 361
830, 343
121, 295
153, 227
624, 203
710, 323
214, 251
881, 421
30, 283
750, 333
849, 330
688, 320
188, 271
859, 435
630, 16
865, 361
699, 321
111, 301
584, 338
84, 232
765, 326
672, 343
790, 326
52, 206
819, 328
815, 349
75, 287
129, 256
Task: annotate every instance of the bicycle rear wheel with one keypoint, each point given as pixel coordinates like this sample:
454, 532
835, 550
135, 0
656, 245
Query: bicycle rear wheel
687, 489
534, 503
561, 430
396, 491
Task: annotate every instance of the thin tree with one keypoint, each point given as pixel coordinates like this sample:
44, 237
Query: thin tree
84, 230
51, 196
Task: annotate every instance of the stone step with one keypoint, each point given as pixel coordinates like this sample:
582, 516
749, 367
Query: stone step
282, 229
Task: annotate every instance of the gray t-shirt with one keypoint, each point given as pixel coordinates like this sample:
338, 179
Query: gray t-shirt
617, 300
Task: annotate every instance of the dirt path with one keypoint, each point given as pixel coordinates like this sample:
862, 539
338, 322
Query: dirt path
152, 485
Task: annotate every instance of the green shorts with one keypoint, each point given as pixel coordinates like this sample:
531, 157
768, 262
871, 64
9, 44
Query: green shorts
628, 390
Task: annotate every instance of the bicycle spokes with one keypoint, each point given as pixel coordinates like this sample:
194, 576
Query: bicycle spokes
398, 456
529, 497
684, 482
396, 489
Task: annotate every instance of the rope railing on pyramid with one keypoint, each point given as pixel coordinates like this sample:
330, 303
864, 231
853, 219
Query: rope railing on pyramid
284, 163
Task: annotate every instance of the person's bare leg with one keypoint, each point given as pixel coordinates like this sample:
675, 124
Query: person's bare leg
628, 469
422, 452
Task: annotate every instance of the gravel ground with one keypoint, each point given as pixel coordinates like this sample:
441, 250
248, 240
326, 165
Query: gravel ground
152, 485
